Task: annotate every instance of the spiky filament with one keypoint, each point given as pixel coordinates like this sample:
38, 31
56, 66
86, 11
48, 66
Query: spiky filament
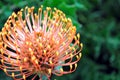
37, 43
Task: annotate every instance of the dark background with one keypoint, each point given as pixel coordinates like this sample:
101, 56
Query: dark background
98, 22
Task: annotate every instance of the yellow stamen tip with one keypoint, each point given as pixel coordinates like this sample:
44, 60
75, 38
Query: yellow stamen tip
25, 59
78, 35
77, 56
50, 62
57, 53
49, 71
61, 69
24, 77
75, 65
70, 66
80, 55
40, 44
20, 68
13, 75
5, 70
2, 61
33, 58
36, 61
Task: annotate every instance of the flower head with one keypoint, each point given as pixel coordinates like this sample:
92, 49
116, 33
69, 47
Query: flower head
39, 44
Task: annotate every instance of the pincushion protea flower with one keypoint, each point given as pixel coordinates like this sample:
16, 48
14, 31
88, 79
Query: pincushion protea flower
39, 44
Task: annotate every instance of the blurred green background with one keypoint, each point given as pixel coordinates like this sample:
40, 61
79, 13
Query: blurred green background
98, 22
